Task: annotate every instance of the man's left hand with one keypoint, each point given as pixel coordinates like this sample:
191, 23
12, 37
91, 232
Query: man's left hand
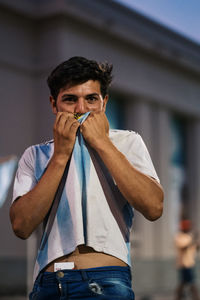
95, 129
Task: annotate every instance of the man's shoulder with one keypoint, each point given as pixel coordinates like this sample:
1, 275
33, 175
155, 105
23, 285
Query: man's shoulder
182, 237
124, 137
42, 148
48, 143
127, 141
120, 133
43, 145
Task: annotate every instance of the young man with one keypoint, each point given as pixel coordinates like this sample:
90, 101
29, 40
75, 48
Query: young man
84, 253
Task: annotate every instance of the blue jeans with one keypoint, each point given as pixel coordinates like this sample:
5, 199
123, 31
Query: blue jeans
187, 275
95, 283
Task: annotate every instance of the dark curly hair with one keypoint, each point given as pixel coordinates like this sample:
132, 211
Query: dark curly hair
78, 70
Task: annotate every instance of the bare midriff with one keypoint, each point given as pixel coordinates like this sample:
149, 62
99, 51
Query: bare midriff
85, 257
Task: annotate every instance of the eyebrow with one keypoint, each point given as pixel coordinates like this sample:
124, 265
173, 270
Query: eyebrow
93, 94
68, 95
74, 95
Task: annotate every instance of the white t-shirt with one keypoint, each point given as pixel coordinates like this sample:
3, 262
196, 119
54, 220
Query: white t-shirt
106, 214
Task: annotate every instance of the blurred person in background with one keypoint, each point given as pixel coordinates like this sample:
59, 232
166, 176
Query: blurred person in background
84, 185
187, 244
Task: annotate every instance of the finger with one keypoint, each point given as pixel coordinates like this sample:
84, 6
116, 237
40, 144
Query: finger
62, 114
92, 114
71, 126
61, 119
57, 120
60, 122
74, 127
58, 116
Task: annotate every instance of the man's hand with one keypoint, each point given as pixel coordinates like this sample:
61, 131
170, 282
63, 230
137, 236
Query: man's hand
95, 129
65, 128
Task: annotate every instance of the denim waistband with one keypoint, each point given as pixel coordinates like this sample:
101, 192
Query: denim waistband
84, 274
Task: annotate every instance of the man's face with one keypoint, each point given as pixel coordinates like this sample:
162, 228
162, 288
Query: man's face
80, 98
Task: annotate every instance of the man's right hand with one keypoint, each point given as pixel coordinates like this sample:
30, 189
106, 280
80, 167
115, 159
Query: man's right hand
65, 129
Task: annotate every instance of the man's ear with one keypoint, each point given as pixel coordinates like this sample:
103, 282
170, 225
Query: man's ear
105, 101
53, 105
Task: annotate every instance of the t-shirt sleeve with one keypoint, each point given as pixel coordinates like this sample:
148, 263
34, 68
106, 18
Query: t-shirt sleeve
138, 155
24, 178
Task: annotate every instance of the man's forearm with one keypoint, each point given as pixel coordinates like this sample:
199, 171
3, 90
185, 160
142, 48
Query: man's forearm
141, 191
28, 211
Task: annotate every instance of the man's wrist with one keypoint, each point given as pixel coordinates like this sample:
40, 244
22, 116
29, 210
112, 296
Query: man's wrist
60, 160
103, 144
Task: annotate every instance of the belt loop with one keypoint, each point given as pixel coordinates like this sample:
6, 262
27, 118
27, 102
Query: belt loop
84, 275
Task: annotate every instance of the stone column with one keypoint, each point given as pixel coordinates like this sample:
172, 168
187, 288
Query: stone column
163, 239
153, 123
138, 116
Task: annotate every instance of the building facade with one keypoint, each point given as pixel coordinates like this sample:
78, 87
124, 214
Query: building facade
156, 92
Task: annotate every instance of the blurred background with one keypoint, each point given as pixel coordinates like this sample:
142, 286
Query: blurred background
156, 92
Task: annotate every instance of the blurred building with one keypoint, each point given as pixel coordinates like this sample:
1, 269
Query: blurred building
156, 92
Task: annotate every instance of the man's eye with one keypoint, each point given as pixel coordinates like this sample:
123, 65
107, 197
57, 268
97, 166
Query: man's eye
92, 98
